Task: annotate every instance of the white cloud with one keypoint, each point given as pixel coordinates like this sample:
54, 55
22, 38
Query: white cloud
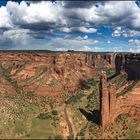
136, 45
65, 29
135, 42
61, 49
108, 41
74, 44
125, 32
78, 29
118, 13
80, 38
87, 30
23, 20
131, 50
95, 41
131, 33
87, 48
85, 37
18, 36
81, 48
5, 21
117, 49
43, 11
117, 32
130, 41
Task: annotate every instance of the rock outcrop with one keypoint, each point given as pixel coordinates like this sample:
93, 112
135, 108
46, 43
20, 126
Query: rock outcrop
50, 73
112, 101
104, 102
111, 106
132, 66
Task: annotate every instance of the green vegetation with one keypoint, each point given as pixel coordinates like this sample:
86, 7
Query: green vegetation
55, 82
6, 76
110, 71
127, 89
52, 117
74, 98
44, 116
119, 80
47, 115
20, 127
92, 101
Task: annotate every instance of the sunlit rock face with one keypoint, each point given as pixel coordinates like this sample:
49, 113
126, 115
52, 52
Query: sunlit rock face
49, 73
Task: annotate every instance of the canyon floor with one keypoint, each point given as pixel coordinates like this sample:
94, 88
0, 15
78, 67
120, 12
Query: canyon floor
72, 114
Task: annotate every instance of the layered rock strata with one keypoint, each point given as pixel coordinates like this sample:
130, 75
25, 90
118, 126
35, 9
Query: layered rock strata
49, 73
111, 106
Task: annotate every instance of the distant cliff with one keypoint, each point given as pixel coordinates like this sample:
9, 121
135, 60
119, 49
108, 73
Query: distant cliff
132, 66
48, 73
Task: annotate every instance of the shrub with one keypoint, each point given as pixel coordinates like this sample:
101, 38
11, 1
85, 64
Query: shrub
58, 137
54, 112
44, 115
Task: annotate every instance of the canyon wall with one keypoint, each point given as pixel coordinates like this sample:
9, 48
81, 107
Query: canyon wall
112, 106
132, 66
104, 103
129, 63
49, 73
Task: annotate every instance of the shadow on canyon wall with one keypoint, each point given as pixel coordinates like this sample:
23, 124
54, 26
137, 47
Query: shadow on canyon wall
92, 116
129, 64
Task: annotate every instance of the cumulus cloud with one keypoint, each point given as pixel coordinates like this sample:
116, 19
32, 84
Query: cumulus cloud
74, 44
116, 13
35, 12
118, 31
119, 13
19, 36
135, 45
108, 41
80, 38
11, 38
21, 21
117, 49
85, 37
81, 48
79, 4
88, 48
135, 42
111, 12
78, 29
87, 30
5, 21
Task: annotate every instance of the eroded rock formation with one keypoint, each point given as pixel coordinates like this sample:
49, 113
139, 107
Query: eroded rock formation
104, 103
132, 66
48, 73
118, 63
111, 106
112, 101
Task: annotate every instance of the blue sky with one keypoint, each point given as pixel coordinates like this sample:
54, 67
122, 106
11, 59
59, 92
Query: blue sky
68, 25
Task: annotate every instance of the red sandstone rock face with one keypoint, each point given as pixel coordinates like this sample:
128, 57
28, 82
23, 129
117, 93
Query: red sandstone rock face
51, 73
45, 74
104, 101
111, 106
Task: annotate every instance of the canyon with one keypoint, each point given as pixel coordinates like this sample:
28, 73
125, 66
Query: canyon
112, 106
69, 92
48, 73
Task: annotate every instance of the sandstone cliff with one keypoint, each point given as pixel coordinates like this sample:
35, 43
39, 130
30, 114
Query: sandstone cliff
49, 73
